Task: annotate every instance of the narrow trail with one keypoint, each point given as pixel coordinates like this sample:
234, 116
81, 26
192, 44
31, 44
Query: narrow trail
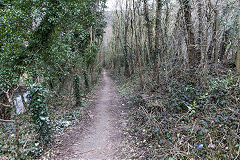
102, 138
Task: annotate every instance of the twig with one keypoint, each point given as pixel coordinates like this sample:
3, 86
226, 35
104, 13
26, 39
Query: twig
87, 151
150, 119
5, 105
60, 67
8, 121
238, 153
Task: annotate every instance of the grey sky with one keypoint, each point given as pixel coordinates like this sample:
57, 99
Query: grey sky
111, 4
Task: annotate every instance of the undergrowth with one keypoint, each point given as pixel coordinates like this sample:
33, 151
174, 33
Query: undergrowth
178, 120
61, 114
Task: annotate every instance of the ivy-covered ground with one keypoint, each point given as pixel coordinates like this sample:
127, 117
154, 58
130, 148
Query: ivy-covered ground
62, 114
180, 121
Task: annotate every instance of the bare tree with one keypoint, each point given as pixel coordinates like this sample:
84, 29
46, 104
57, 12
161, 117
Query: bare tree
127, 72
137, 45
238, 52
175, 41
193, 55
149, 30
158, 33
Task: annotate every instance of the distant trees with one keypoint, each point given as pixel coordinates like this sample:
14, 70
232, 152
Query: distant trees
199, 36
184, 58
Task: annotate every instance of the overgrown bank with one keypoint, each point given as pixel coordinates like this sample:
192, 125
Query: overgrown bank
178, 63
41, 124
180, 121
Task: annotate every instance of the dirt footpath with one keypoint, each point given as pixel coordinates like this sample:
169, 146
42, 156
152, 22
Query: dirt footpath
101, 138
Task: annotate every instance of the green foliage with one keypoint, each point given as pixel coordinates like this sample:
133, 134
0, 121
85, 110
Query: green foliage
52, 44
29, 145
90, 55
39, 113
183, 97
13, 33
221, 92
47, 41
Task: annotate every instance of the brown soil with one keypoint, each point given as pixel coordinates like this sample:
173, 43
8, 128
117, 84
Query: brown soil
101, 135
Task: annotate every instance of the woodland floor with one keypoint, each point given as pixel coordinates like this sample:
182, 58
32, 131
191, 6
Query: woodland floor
102, 133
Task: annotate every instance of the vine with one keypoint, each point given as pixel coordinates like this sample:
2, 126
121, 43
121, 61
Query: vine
40, 113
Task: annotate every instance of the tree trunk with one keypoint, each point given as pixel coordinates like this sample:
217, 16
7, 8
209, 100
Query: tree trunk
200, 27
138, 48
5, 108
157, 40
77, 94
86, 83
165, 39
126, 72
23, 100
149, 30
193, 57
132, 45
223, 44
238, 52
212, 50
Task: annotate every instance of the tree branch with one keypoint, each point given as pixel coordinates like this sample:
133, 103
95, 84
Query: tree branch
7, 121
5, 105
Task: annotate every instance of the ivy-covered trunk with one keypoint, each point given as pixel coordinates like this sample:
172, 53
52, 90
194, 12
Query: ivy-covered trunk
86, 81
5, 110
77, 91
40, 113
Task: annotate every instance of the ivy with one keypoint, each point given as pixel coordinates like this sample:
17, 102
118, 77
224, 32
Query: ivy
77, 91
86, 81
40, 113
